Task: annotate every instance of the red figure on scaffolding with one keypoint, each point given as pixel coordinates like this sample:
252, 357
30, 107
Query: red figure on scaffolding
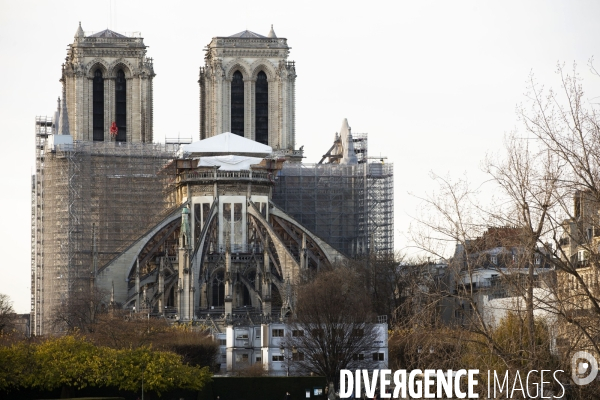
114, 129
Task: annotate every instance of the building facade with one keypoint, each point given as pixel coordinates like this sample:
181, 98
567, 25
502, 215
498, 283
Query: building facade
188, 233
273, 347
247, 87
107, 79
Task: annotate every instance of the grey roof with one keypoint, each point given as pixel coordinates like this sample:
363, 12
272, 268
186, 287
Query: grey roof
107, 33
247, 34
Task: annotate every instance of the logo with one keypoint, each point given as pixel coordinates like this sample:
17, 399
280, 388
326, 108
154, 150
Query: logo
583, 363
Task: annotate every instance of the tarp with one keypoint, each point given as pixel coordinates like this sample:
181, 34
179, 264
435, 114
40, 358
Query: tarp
229, 163
227, 143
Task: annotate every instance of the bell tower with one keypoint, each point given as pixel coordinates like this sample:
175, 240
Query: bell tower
107, 81
247, 87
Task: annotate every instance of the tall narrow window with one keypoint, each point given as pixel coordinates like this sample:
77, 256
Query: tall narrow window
262, 108
121, 106
218, 289
237, 104
98, 106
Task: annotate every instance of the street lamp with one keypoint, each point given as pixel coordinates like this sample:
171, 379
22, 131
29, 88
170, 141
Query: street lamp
144, 370
289, 357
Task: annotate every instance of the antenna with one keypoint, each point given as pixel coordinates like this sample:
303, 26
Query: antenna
112, 15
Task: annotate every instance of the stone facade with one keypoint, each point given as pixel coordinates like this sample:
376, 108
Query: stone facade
250, 54
108, 52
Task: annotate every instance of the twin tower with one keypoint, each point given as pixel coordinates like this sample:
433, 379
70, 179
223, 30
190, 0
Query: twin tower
247, 87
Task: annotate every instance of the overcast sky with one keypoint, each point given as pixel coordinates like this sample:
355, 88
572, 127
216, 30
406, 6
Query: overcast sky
434, 83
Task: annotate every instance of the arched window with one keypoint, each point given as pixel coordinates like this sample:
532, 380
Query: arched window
98, 106
261, 122
218, 290
237, 104
121, 106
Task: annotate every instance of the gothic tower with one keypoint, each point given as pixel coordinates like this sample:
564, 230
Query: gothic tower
108, 82
247, 87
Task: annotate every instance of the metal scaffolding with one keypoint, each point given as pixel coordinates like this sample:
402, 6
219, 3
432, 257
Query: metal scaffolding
44, 127
348, 206
90, 201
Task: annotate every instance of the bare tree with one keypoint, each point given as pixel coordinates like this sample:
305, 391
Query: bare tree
448, 321
80, 311
380, 275
7, 314
546, 185
334, 327
123, 329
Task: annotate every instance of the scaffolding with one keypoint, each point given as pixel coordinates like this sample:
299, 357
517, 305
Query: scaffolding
380, 205
90, 201
361, 148
44, 126
348, 206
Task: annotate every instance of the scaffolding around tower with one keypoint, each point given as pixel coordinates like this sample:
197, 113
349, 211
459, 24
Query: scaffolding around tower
349, 205
90, 200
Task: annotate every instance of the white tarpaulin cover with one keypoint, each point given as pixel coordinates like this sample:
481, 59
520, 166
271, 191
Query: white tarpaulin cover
229, 163
227, 143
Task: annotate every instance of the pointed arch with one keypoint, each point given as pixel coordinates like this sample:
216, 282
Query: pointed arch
237, 65
265, 66
94, 65
217, 288
121, 64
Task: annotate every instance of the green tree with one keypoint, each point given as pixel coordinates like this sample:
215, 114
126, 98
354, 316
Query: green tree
17, 366
159, 371
73, 362
68, 362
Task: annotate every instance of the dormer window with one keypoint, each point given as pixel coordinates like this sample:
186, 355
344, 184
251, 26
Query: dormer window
494, 259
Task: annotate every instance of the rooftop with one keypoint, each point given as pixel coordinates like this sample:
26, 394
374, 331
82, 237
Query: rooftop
107, 33
227, 144
247, 34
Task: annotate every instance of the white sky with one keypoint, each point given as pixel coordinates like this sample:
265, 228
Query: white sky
434, 83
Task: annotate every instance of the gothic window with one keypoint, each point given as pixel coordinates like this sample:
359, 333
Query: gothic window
197, 221
237, 104
121, 106
237, 226
218, 290
98, 106
262, 108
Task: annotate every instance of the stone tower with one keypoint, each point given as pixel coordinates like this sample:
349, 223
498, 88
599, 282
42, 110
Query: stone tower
247, 87
107, 81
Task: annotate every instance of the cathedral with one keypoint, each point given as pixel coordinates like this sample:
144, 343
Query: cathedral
218, 230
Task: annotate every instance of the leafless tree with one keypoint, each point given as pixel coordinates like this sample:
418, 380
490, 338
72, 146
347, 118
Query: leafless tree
80, 310
334, 325
380, 275
7, 314
124, 329
546, 186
